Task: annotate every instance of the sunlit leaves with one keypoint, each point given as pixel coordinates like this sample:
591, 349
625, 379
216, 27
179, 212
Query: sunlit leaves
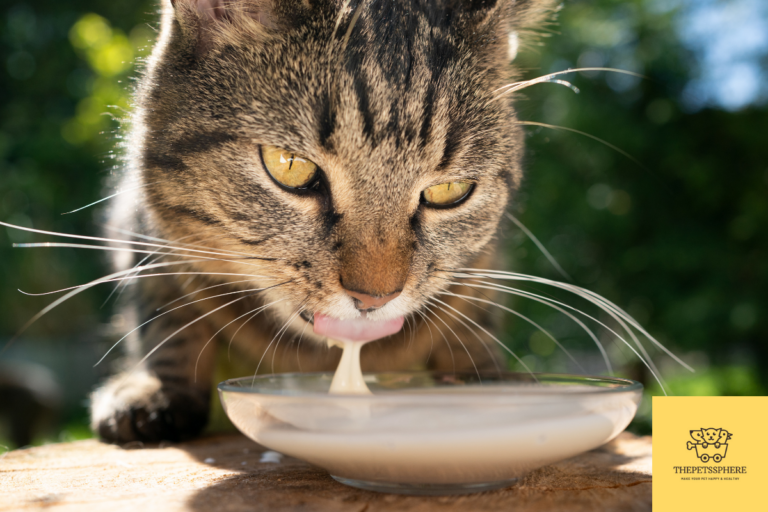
110, 56
108, 50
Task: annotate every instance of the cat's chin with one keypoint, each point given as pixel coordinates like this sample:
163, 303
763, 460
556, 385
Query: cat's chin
356, 329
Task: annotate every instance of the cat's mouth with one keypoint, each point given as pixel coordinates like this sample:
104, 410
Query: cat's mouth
306, 315
359, 329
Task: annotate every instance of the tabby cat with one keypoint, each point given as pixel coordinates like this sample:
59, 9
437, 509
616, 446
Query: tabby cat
310, 168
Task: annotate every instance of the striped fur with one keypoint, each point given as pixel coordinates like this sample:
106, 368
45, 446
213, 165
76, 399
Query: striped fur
388, 97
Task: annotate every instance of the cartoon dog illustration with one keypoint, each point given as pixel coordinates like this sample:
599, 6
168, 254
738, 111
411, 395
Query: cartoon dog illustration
710, 443
697, 436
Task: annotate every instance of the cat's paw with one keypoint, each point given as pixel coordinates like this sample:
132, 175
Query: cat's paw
139, 407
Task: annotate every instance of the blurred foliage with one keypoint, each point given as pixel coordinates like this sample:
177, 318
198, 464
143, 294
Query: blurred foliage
64, 85
110, 56
678, 241
65, 71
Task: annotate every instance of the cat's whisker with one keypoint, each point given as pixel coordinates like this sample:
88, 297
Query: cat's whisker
234, 335
431, 338
294, 316
592, 297
411, 330
407, 325
339, 19
643, 355
415, 329
538, 244
469, 298
494, 338
551, 303
279, 332
179, 307
81, 289
589, 295
141, 276
286, 348
408, 337
352, 23
516, 86
188, 282
111, 196
200, 354
117, 241
164, 241
229, 259
471, 359
585, 134
510, 88
447, 344
565, 83
136, 273
283, 328
470, 329
464, 284
124, 284
298, 345
254, 312
199, 290
177, 331
411, 327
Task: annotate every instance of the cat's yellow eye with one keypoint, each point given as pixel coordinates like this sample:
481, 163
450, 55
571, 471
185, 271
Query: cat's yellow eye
288, 168
446, 194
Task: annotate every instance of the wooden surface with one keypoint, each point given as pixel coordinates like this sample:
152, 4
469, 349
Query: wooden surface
223, 473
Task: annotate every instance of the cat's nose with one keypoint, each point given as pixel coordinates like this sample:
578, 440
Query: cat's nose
365, 302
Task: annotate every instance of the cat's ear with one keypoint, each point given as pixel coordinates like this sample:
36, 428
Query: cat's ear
214, 9
208, 11
528, 20
514, 22
207, 22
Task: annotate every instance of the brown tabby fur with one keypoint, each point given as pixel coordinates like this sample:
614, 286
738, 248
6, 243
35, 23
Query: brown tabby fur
388, 97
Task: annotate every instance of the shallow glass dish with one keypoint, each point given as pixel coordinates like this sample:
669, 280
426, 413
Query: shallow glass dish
431, 432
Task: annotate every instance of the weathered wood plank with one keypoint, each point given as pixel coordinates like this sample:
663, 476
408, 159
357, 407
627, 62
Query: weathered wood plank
91, 476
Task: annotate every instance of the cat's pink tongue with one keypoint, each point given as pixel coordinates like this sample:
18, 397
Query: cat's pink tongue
358, 329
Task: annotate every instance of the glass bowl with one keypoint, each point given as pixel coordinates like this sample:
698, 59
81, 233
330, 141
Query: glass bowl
431, 432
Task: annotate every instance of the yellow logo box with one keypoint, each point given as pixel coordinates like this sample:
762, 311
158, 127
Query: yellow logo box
710, 453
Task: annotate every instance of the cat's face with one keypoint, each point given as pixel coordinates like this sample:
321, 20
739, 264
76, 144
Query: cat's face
711, 435
401, 101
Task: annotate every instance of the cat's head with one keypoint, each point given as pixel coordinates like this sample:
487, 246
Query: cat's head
407, 158
710, 435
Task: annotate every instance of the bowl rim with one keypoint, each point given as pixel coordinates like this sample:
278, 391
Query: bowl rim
622, 386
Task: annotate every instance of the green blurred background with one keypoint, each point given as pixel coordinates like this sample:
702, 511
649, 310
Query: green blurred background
679, 241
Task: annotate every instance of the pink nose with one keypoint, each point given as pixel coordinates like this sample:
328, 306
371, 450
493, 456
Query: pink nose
365, 302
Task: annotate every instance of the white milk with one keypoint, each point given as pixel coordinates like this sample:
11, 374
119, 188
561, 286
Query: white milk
461, 456
348, 378
371, 438
441, 440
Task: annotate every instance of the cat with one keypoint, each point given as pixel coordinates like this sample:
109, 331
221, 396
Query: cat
305, 166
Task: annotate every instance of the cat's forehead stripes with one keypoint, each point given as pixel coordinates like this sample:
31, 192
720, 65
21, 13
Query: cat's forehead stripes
404, 72
388, 106
402, 65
